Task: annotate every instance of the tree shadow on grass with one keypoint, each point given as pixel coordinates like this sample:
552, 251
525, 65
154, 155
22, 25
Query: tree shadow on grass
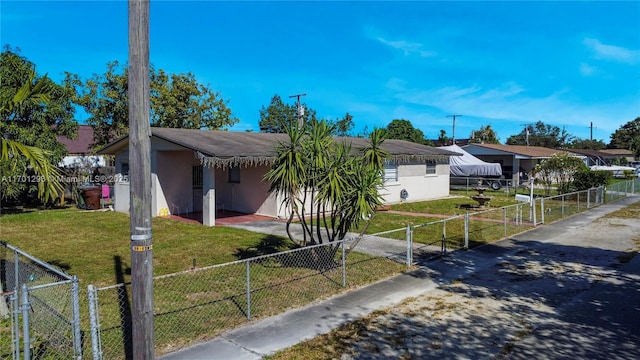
269, 244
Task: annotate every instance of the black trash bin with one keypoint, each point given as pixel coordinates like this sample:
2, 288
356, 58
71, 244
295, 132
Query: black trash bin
91, 197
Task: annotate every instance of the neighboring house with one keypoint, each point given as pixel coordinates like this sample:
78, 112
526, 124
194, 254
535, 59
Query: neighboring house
593, 157
79, 150
515, 160
620, 154
209, 170
459, 142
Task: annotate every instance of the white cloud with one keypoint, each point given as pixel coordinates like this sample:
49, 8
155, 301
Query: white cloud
407, 47
509, 106
612, 52
586, 69
506, 90
396, 84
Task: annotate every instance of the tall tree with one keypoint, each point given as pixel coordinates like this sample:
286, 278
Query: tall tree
402, 129
177, 101
443, 139
627, 137
343, 126
579, 143
484, 135
278, 116
541, 134
180, 101
39, 119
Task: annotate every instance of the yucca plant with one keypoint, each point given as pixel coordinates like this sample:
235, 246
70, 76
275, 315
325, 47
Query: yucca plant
329, 188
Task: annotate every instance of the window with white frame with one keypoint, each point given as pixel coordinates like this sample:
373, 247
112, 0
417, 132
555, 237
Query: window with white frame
431, 167
390, 172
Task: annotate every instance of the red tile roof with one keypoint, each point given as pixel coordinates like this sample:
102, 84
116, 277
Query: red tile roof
82, 143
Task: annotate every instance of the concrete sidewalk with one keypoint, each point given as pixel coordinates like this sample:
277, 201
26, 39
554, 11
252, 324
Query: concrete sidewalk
264, 337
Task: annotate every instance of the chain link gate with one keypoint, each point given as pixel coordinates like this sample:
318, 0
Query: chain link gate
39, 309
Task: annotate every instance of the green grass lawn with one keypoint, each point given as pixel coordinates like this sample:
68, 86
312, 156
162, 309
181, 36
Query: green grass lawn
95, 247
86, 243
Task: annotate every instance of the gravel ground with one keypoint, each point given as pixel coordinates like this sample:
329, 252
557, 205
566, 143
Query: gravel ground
575, 296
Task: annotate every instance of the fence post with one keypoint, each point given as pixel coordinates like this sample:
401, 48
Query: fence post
26, 306
588, 199
443, 248
578, 201
532, 207
562, 207
542, 210
95, 323
344, 267
16, 304
626, 187
407, 236
504, 219
75, 308
15, 330
248, 272
466, 230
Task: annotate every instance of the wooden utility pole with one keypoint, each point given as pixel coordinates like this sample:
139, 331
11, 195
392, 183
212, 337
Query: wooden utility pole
453, 132
299, 110
140, 182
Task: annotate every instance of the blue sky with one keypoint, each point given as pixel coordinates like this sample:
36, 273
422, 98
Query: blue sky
500, 63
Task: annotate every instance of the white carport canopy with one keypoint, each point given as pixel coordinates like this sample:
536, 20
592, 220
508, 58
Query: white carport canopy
469, 165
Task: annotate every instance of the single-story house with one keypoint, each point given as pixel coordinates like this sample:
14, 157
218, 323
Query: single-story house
515, 160
79, 153
620, 153
593, 157
209, 170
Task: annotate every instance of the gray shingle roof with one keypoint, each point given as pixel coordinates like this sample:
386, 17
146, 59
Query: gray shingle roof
221, 148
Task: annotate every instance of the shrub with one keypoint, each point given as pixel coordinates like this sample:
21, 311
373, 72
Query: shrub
586, 179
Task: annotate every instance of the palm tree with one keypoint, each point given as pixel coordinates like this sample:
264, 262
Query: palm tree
46, 174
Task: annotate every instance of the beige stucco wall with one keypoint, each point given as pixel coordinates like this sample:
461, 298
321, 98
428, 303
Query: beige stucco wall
172, 192
419, 185
173, 184
247, 196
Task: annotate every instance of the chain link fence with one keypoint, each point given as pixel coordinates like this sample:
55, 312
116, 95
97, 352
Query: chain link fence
201, 303
198, 304
428, 240
39, 309
621, 189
